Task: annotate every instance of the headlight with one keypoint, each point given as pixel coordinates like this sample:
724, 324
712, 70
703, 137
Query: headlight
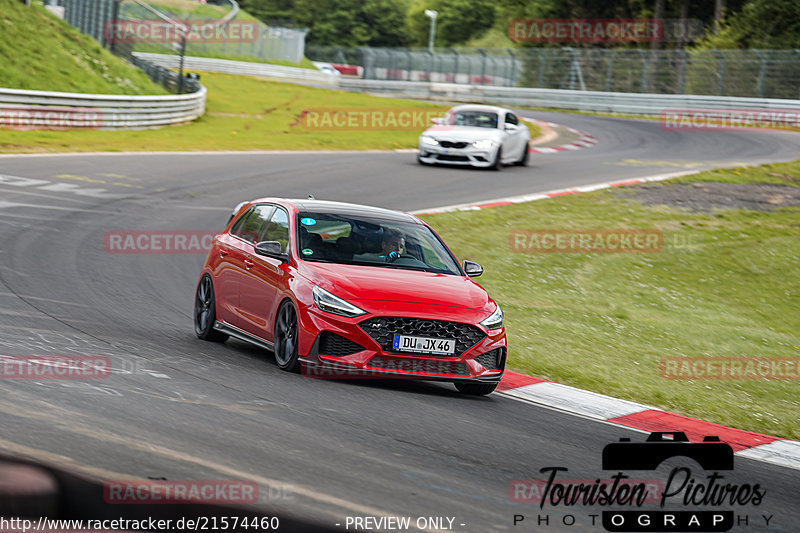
333, 304
495, 320
483, 144
426, 139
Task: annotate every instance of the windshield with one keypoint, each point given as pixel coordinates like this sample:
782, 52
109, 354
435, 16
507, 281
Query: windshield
336, 238
474, 118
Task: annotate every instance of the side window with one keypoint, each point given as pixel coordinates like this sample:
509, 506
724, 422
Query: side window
278, 229
252, 223
511, 119
237, 226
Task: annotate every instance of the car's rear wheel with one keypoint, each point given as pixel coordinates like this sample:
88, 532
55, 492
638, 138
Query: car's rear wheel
475, 388
497, 164
286, 339
205, 312
523, 159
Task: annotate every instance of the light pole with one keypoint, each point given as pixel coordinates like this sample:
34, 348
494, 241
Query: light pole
432, 14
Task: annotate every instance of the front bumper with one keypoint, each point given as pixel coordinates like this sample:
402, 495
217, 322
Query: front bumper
482, 360
468, 156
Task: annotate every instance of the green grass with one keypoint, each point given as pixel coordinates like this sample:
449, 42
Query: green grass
726, 284
242, 113
40, 52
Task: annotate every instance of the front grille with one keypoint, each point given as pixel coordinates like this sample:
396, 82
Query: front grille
412, 364
383, 330
491, 360
446, 157
452, 144
337, 346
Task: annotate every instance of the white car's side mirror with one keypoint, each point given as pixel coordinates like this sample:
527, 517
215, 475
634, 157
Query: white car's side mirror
437, 120
511, 127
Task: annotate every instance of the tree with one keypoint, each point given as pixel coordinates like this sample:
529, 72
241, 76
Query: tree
348, 23
760, 24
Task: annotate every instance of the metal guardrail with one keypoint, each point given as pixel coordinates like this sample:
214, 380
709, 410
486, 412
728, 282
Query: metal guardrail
239, 67
25, 109
601, 102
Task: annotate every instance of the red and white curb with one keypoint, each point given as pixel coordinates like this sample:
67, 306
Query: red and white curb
584, 140
632, 415
624, 413
549, 194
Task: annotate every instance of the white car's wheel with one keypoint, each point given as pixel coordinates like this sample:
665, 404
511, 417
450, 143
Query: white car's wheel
497, 164
524, 157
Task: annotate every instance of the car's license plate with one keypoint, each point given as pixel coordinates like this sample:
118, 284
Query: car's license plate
409, 343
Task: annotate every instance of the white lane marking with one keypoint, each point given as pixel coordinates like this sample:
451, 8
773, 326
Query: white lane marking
77, 189
587, 403
780, 452
50, 196
21, 182
47, 185
5, 205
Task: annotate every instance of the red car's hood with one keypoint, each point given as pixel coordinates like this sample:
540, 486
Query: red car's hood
357, 282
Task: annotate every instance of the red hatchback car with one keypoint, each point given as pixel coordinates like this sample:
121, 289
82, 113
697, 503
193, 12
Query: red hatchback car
344, 290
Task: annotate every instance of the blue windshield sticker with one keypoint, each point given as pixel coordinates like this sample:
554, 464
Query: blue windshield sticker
307, 251
308, 221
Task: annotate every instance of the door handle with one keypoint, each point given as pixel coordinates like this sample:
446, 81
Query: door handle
223, 252
248, 263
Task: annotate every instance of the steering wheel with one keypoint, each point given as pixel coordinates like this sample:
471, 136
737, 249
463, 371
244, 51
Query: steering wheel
393, 256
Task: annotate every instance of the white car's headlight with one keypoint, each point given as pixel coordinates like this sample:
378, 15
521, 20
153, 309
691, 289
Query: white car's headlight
495, 320
333, 304
427, 139
483, 144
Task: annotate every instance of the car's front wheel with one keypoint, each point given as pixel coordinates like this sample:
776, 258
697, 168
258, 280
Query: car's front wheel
525, 156
475, 388
497, 164
286, 338
205, 312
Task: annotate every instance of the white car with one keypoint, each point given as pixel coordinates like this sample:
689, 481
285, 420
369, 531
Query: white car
477, 135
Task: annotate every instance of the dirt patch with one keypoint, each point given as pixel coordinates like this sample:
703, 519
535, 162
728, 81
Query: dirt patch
706, 196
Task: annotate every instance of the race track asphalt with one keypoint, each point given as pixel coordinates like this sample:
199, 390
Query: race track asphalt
184, 409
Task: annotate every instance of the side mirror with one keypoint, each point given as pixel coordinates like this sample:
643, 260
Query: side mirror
472, 269
271, 249
437, 120
511, 127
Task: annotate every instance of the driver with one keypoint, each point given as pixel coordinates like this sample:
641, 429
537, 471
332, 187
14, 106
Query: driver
392, 245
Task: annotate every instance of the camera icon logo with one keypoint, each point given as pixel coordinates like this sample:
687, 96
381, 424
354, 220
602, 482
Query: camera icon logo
711, 454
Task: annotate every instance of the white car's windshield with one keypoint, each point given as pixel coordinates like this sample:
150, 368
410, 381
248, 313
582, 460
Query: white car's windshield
474, 118
336, 238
